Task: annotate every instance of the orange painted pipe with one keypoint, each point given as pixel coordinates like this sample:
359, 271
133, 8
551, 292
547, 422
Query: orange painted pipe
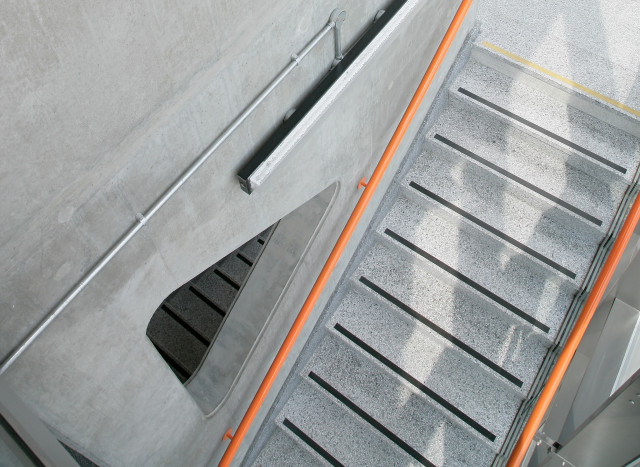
555, 378
345, 235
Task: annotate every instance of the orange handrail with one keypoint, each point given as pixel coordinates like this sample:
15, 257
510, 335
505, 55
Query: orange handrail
546, 396
341, 243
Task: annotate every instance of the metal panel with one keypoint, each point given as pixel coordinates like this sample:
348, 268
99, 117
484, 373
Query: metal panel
611, 436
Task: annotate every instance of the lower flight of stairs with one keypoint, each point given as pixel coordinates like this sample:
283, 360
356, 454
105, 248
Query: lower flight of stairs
186, 323
462, 286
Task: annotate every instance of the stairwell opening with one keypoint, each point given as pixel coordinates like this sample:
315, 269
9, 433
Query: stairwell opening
205, 330
190, 318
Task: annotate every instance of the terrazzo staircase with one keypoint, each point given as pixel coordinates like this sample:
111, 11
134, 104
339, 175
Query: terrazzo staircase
187, 322
434, 339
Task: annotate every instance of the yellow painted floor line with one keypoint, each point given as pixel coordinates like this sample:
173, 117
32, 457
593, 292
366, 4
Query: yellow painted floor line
556, 76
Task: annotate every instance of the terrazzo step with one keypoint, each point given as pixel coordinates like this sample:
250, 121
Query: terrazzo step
550, 119
176, 343
195, 311
212, 287
440, 433
592, 195
556, 88
402, 345
494, 337
234, 270
484, 263
338, 431
282, 450
560, 241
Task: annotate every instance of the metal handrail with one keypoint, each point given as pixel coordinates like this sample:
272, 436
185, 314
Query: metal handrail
341, 243
142, 218
570, 347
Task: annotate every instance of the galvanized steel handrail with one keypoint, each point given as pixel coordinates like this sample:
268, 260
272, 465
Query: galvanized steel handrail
342, 241
571, 345
142, 218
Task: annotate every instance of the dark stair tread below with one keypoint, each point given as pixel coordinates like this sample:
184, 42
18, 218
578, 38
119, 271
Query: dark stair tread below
197, 312
233, 268
215, 288
250, 250
172, 339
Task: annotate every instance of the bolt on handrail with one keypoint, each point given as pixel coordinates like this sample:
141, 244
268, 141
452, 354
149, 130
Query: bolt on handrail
570, 347
335, 22
341, 243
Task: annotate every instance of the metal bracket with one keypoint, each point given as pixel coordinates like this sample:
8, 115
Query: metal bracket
288, 115
551, 447
337, 19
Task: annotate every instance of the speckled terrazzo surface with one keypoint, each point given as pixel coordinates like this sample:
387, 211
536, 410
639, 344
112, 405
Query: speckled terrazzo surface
459, 288
592, 42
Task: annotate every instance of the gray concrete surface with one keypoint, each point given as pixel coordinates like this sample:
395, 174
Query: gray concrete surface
104, 107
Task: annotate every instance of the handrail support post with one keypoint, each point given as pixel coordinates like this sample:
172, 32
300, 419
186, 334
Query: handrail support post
337, 19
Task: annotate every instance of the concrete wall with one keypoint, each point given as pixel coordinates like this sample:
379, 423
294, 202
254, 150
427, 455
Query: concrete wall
104, 104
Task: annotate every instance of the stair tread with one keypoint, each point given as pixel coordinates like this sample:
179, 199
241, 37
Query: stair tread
338, 430
492, 332
216, 289
544, 167
195, 311
510, 276
514, 212
234, 268
429, 359
282, 450
558, 117
251, 249
401, 407
175, 340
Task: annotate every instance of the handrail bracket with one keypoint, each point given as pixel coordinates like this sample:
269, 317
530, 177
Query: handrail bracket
336, 20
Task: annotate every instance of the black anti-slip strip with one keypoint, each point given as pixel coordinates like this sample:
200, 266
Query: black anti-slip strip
519, 180
454, 340
493, 230
316, 94
400, 372
178, 319
512, 308
207, 300
227, 279
544, 131
311, 443
244, 259
372, 421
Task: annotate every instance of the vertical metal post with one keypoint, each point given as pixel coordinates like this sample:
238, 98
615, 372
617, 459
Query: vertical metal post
337, 18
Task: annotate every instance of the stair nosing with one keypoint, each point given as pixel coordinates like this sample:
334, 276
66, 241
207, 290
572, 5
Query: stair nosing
601, 229
425, 398
594, 164
416, 196
518, 391
320, 392
453, 281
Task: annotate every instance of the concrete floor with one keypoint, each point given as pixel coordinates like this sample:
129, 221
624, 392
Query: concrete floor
595, 43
